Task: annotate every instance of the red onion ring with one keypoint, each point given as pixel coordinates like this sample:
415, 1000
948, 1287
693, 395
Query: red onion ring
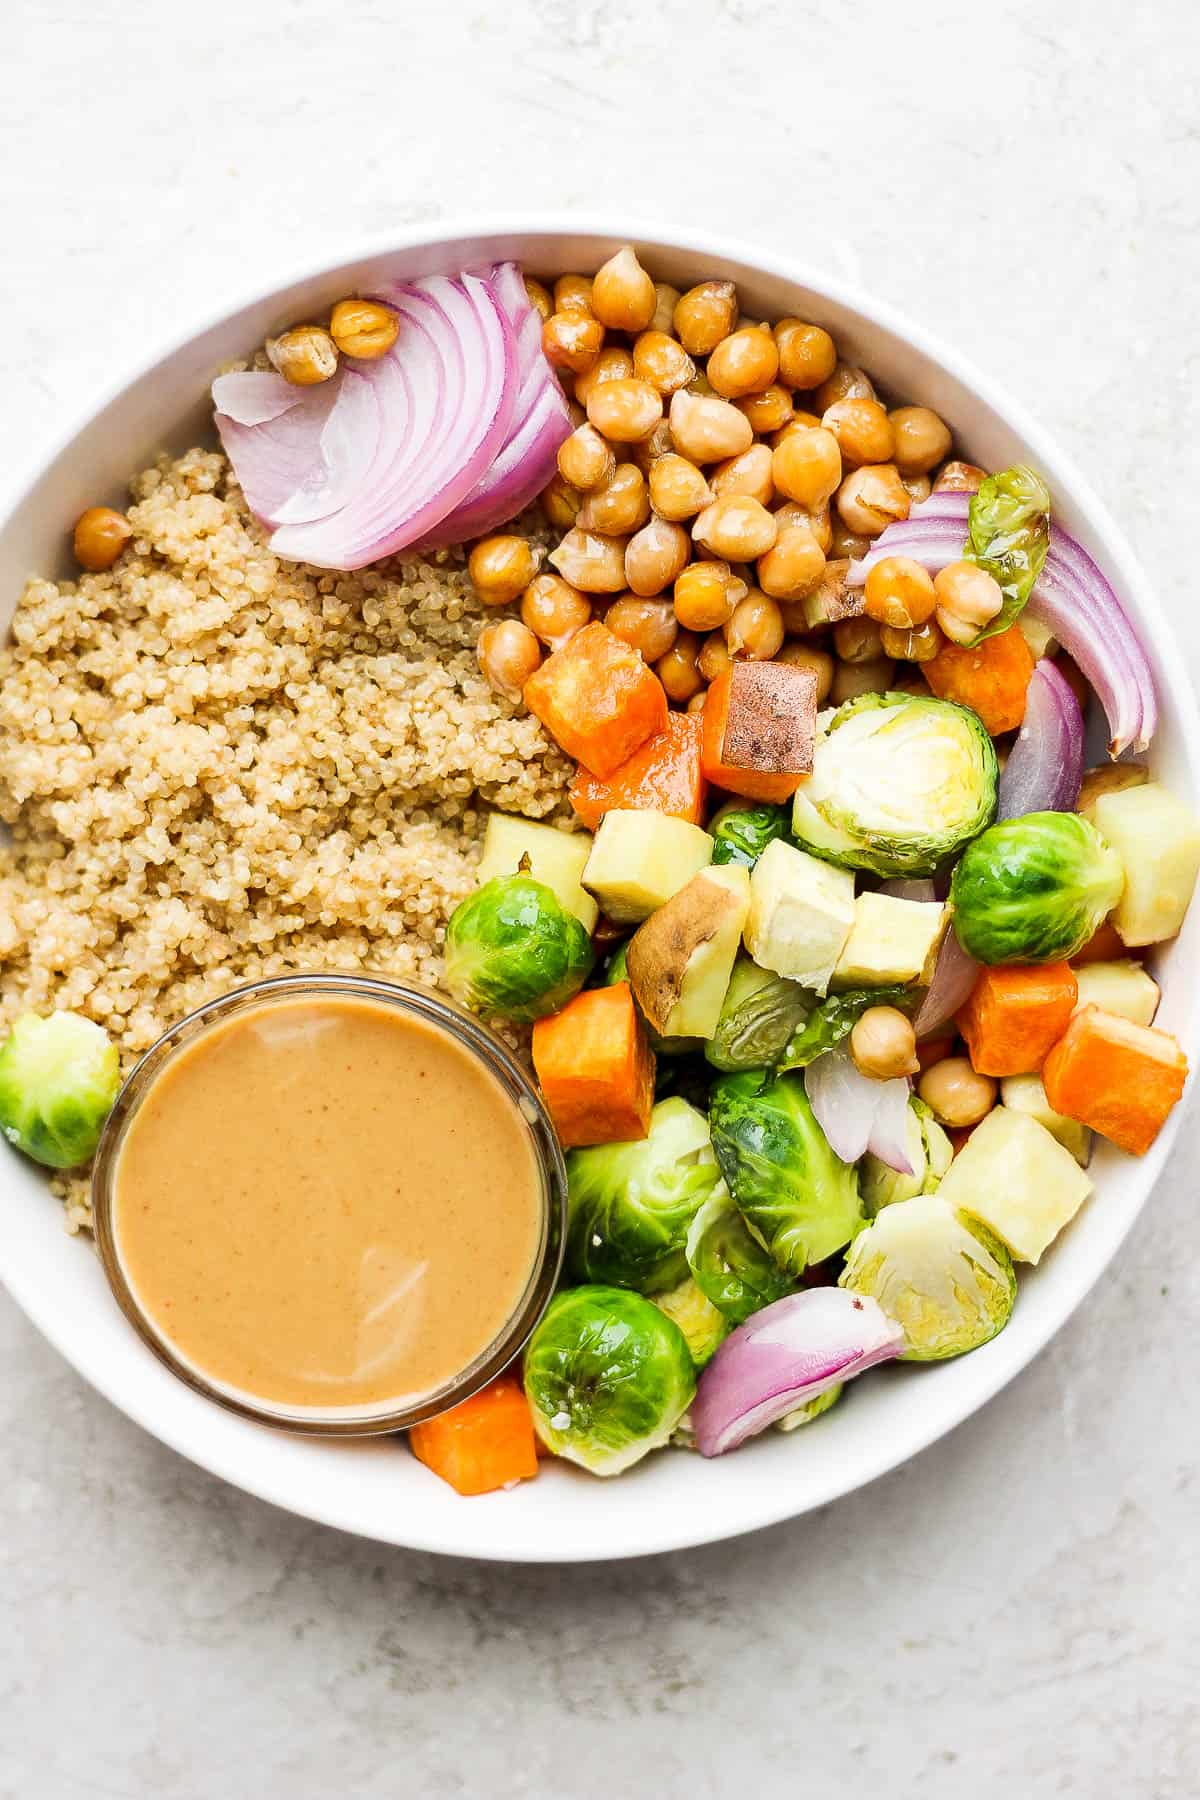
1045, 766
858, 1114
954, 975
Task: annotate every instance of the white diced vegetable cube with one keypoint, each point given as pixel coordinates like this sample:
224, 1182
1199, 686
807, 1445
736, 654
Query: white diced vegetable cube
1158, 841
556, 859
1119, 987
801, 913
1019, 1180
1025, 1094
890, 941
639, 859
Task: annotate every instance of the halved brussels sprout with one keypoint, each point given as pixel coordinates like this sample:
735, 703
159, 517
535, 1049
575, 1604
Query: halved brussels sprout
729, 1264
701, 1324
608, 1376
945, 1279
741, 831
798, 1198
1034, 889
899, 783
513, 951
835, 1018
759, 1015
812, 1409
929, 1151
58, 1080
630, 1205
1008, 536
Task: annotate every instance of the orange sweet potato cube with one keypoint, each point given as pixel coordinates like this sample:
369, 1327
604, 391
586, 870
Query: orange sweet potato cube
663, 776
760, 723
597, 699
1120, 1078
595, 1068
1014, 1015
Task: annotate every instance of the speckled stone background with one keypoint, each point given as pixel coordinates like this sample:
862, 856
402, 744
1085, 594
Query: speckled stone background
1012, 1615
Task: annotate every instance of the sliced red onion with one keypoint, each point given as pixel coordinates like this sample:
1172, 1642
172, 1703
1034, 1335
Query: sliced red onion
1072, 599
1045, 765
785, 1356
856, 1113
954, 975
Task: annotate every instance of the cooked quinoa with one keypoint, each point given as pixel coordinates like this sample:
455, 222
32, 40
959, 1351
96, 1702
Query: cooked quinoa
217, 766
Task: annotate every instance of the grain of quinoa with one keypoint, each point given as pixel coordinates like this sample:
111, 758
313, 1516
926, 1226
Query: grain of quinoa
217, 766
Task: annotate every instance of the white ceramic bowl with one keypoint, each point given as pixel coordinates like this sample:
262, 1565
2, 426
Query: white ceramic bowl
673, 1499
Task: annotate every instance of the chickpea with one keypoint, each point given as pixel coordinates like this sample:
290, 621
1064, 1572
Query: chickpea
755, 630
303, 356
677, 670
863, 432
707, 429
793, 566
678, 490
917, 487
553, 610
655, 556
745, 362
899, 592
704, 600
585, 460
561, 503
508, 653
806, 465
922, 440
849, 546
647, 626
704, 315
101, 533
749, 473
806, 656
852, 679
623, 296
872, 498
591, 562
620, 507
959, 478
799, 421
816, 519
700, 384
696, 703
540, 297
612, 364
858, 640
573, 293
662, 361
955, 1094
768, 411
807, 355
666, 299
625, 411
659, 443
883, 1044
502, 567
736, 528
917, 644
363, 328
846, 383
572, 340
967, 599
714, 657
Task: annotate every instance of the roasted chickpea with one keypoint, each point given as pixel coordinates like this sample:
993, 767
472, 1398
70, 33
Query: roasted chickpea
745, 362
101, 533
704, 598
572, 340
501, 567
922, 440
363, 328
508, 653
618, 508
678, 489
807, 355
872, 498
883, 1044
846, 383
863, 432
899, 592
704, 315
816, 519
806, 466
696, 703
852, 679
623, 296
677, 670
749, 473
849, 546
768, 411
793, 565
540, 297
625, 411
858, 640
647, 626
560, 502
806, 656
553, 610
591, 562
666, 299
959, 478
304, 356
801, 420
655, 555
920, 644
662, 361
967, 599
659, 443
700, 384
614, 363
755, 631
955, 1094
707, 429
736, 528
585, 459
714, 657
573, 293
917, 487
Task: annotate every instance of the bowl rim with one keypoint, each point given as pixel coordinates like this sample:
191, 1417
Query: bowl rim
660, 1530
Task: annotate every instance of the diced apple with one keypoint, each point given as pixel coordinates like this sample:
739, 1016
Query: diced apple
1158, 841
891, 941
1025, 1094
1016, 1177
639, 859
801, 913
680, 960
1119, 987
556, 859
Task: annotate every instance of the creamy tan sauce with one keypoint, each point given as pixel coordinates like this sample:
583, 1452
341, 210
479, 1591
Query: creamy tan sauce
326, 1203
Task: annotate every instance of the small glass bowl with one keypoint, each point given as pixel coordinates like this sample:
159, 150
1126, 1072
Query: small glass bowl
472, 1036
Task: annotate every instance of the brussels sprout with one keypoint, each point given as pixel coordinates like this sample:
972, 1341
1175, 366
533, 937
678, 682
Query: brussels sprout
630, 1205
701, 1324
939, 1273
798, 1198
835, 1018
759, 1015
1009, 535
1034, 889
617, 970
513, 951
740, 832
729, 1265
929, 1151
608, 1377
812, 1409
899, 783
58, 1080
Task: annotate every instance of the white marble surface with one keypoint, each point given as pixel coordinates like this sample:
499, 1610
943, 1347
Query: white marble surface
1014, 1613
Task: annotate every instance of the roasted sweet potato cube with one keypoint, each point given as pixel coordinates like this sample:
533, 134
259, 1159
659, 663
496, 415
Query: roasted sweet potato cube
663, 776
597, 699
759, 728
